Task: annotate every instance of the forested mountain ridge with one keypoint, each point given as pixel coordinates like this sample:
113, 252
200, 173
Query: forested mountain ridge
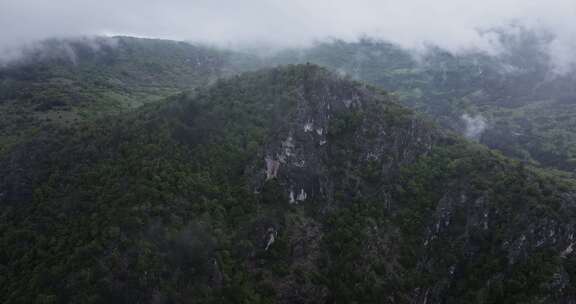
515, 101
288, 185
62, 82
523, 100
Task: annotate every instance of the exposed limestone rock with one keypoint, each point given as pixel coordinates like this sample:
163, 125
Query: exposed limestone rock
300, 164
308, 127
288, 145
347, 103
567, 251
302, 196
372, 156
272, 234
291, 196
272, 167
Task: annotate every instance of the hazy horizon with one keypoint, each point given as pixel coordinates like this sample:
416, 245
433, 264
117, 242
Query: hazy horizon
450, 24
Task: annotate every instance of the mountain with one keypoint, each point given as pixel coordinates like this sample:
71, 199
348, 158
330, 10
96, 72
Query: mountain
524, 104
514, 101
62, 82
286, 185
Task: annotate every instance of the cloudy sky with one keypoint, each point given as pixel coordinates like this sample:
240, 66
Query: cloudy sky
449, 23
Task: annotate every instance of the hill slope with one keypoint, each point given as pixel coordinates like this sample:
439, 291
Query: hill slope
62, 82
526, 107
513, 101
289, 185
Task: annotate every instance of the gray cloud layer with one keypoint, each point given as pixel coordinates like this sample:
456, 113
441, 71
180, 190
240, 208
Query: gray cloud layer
452, 24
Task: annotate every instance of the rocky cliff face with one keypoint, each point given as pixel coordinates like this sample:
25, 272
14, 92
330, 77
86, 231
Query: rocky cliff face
341, 144
289, 185
467, 233
334, 129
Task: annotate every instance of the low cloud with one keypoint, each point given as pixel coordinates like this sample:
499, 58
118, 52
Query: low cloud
475, 126
451, 24
66, 49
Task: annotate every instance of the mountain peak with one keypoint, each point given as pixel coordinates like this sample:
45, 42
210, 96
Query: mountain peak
287, 185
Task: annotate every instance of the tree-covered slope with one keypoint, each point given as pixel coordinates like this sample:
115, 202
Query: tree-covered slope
515, 101
519, 95
288, 185
66, 81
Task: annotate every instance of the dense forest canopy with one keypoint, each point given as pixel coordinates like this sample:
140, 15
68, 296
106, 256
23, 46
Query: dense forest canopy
140, 170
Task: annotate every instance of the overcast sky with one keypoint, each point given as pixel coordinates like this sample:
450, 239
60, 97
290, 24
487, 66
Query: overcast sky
449, 23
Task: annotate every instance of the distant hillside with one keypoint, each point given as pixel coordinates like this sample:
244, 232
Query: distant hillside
288, 185
61, 82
